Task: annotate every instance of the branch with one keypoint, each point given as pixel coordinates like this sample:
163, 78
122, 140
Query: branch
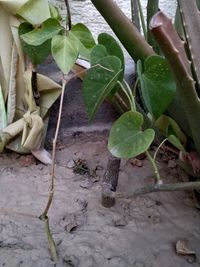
155, 188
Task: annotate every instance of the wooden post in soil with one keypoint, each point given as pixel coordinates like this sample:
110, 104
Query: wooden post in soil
110, 181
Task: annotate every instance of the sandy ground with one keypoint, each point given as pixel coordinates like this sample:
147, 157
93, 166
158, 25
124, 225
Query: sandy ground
134, 233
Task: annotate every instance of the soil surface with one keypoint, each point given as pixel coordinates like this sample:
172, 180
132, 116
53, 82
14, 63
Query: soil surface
141, 232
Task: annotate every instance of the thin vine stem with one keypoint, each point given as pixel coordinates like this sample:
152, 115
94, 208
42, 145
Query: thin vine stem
130, 93
127, 95
51, 194
69, 18
152, 161
156, 152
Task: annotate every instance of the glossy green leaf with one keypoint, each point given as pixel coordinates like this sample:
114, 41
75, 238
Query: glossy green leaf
3, 116
65, 51
37, 54
97, 53
86, 40
38, 36
98, 83
157, 84
35, 11
126, 139
112, 46
175, 142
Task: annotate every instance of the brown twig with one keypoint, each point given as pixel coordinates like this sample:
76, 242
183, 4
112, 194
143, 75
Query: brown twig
156, 188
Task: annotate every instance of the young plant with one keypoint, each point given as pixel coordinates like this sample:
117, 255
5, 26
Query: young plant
164, 82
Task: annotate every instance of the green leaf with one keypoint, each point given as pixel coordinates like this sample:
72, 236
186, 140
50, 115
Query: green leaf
98, 83
35, 11
126, 139
3, 116
157, 84
37, 54
38, 36
113, 49
86, 40
65, 51
175, 142
168, 126
97, 53
112, 46
54, 12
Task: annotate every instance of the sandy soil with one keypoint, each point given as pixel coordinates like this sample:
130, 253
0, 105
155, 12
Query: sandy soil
140, 233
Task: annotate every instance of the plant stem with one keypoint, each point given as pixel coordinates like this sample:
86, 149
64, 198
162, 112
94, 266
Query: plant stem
157, 188
134, 14
152, 161
68, 20
52, 245
155, 154
130, 93
144, 28
51, 194
152, 8
135, 86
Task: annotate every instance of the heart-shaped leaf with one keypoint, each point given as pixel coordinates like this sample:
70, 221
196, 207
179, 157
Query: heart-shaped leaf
157, 84
85, 38
37, 54
65, 51
112, 46
98, 83
113, 49
126, 139
38, 36
97, 53
35, 11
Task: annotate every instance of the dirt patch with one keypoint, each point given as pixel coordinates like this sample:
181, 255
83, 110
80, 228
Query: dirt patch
141, 232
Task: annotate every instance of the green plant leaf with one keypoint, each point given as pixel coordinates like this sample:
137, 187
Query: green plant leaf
175, 142
97, 53
98, 83
168, 126
54, 12
126, 139
38, 36
37, 54
157, 84
112, 46
86, 40
3, 116
35, 11
65, 51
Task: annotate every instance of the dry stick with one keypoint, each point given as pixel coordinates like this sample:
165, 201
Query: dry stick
156, 188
